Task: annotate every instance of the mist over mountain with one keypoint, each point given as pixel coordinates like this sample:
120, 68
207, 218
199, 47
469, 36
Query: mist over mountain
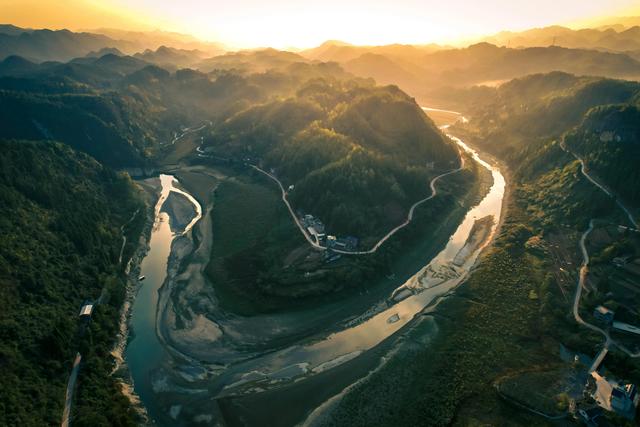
39, 45
338, 247
617, 39
421, 72
171, 58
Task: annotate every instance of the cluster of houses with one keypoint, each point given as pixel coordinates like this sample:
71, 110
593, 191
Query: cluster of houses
316, 229
611, 395
616, 396
607, 316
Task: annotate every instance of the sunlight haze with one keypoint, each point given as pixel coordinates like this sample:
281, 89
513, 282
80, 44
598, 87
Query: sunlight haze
289, 23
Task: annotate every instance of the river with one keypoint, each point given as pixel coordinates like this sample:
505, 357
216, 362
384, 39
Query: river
180, 390
145, 351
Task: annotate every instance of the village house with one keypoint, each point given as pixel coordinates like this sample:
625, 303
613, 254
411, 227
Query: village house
615, 396
625, 327
86, 310
624, 400
316, 234
603, 314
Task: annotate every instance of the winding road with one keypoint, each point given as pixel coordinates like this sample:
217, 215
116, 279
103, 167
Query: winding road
583, 169
73, 376
71, 385
190, 130
584, 268
386, 237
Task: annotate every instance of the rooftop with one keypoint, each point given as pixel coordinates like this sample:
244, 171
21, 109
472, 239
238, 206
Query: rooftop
86, 310
626, 327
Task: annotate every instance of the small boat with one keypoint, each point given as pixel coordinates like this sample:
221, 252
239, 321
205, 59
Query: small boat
141, 278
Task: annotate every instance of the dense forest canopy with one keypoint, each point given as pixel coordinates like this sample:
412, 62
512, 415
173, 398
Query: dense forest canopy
356, 155
122, 110
60, 221
609, 139
370, 149
525, 121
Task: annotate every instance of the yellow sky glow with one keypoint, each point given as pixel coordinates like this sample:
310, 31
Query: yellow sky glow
300, 23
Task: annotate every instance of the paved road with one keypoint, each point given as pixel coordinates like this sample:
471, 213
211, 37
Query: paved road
293, 215
71, 385
599, 358
190, 130
317, 246
608, 192
584, 268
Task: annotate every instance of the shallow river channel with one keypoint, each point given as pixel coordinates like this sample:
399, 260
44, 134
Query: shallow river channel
179, 386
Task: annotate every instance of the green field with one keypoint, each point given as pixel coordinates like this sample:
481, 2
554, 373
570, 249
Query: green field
252, 234
259, 260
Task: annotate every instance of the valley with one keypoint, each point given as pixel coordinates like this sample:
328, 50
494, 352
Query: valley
229, 354
440, 233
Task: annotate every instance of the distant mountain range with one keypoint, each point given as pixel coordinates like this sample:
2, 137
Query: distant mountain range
64, 45
421, 71
613, 39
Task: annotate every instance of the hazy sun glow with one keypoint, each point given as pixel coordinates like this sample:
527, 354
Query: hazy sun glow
286, 23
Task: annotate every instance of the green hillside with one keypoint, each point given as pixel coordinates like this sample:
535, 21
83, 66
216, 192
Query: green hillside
597, 118
357, 155
61, 214
609, 140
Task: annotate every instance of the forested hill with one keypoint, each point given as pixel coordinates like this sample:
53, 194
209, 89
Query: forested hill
41, 45
358, 155
525, 120
60, 219
111, 127
123, 110
609, 140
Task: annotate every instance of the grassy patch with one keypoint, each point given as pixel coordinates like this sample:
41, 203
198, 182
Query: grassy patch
252, 235
260, 262
488, 330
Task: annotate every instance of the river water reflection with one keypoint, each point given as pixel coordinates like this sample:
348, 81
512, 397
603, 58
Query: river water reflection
146, 352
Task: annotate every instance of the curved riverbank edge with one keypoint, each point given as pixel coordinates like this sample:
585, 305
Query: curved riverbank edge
151, 190
259, 405
322, 413
374, 248
185, 245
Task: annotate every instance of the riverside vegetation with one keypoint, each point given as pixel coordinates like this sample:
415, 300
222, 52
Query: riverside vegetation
511, 316
61, 218
357, 154
125, 113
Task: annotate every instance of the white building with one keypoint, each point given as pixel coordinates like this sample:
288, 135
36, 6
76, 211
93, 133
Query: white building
86, 310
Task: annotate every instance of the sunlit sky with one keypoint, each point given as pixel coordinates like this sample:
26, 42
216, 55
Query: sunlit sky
300, 23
